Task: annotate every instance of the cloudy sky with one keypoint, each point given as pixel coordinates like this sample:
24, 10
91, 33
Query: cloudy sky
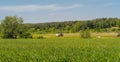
37, 11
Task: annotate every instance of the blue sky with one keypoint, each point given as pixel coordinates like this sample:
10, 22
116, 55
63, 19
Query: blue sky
37, 11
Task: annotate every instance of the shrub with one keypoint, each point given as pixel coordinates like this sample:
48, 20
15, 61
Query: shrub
40, 37
118, 35
26, 35
85, 33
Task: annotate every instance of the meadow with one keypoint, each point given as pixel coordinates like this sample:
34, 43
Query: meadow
60, 50
77, 35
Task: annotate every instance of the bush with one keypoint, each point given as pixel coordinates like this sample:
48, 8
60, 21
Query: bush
85, 33
40, 37
26, 35
118, 35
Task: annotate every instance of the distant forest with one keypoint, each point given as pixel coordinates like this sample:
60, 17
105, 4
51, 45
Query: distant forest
95, 25
13, 27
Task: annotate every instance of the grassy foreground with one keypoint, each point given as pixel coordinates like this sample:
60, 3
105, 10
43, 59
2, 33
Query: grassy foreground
60, 50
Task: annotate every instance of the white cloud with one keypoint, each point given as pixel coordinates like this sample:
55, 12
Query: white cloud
25, 8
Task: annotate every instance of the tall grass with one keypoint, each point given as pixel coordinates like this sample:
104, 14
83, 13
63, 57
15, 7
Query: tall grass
60, 50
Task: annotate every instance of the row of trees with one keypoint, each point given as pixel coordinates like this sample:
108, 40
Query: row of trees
13, 27
96, 25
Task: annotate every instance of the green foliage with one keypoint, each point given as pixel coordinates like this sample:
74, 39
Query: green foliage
25, 35
75, 26
40, 37
11, 26
85, 33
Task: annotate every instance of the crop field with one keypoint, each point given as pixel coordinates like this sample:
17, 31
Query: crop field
60, 50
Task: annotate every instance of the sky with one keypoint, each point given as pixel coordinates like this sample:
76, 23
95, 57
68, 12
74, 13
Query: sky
39, 11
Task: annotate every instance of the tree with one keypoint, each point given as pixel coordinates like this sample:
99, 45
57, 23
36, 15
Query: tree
11, 27
75, 27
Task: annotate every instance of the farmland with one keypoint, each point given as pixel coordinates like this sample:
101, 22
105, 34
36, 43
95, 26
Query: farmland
59, 31
60, 50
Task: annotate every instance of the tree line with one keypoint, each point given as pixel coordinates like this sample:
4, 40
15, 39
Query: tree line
95, 25
13, 26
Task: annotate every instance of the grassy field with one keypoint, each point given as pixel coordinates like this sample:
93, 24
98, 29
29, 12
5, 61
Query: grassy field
77, 35
60, 50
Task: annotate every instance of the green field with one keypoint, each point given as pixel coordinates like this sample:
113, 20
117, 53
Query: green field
60, 50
